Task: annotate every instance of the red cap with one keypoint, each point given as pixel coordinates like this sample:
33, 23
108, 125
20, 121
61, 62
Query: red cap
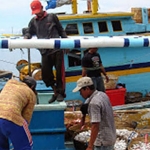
36, 6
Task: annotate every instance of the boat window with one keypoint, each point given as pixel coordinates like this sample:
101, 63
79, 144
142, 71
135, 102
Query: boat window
116, 25
88, 28
71, 29
74, 58
102, 26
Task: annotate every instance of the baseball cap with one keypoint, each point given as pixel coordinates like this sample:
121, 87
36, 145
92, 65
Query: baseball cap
35, 6
83, 82
29, 81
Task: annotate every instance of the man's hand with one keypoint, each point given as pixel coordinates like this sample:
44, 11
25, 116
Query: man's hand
82, 122
107, 78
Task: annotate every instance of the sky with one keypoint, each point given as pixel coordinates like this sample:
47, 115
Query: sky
16, 14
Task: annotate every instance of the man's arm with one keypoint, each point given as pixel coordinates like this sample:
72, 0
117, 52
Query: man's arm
28, 110
30, 30
94, 133
83, 64
104, 72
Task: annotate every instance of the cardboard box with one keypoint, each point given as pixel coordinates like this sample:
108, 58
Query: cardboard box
116, 96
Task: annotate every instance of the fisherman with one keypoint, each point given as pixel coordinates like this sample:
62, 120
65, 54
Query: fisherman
92, 67
46, 26
98, 107
17, 100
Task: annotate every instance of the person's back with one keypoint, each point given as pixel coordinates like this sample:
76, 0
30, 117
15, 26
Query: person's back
16, 97
17, 101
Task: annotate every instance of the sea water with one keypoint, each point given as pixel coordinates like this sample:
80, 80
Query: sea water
9, 59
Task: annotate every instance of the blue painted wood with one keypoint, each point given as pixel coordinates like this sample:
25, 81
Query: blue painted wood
47, 127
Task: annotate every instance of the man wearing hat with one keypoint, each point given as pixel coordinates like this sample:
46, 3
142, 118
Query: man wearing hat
103, 131
17, 100
47, 26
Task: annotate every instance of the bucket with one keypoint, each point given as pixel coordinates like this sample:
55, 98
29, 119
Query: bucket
80, 145
81, 140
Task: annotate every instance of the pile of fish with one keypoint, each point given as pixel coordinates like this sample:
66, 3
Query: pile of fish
123, 137
83, 136
123, 141
120, 145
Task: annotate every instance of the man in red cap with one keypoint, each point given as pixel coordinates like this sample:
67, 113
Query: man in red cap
46, 26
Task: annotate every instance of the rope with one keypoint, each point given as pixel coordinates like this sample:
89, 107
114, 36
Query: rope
22, 52
7, 62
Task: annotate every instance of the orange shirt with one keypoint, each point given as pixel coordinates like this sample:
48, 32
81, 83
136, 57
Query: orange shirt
17, 102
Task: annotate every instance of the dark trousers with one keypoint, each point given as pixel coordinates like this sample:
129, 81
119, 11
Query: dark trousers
55, 60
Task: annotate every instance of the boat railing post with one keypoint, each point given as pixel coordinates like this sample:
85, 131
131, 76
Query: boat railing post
94, 6
74, 6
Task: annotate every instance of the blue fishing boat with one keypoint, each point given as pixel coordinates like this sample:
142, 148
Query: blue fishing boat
129, 62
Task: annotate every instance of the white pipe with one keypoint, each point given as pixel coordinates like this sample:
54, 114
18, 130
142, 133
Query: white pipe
68, 43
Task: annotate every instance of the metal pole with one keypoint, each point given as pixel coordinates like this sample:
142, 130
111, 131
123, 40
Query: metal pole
29, 69
29, 62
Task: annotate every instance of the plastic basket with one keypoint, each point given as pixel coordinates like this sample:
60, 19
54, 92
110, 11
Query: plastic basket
112, 82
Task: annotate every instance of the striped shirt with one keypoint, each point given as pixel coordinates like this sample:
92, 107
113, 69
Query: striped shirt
17, 102
100, 110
